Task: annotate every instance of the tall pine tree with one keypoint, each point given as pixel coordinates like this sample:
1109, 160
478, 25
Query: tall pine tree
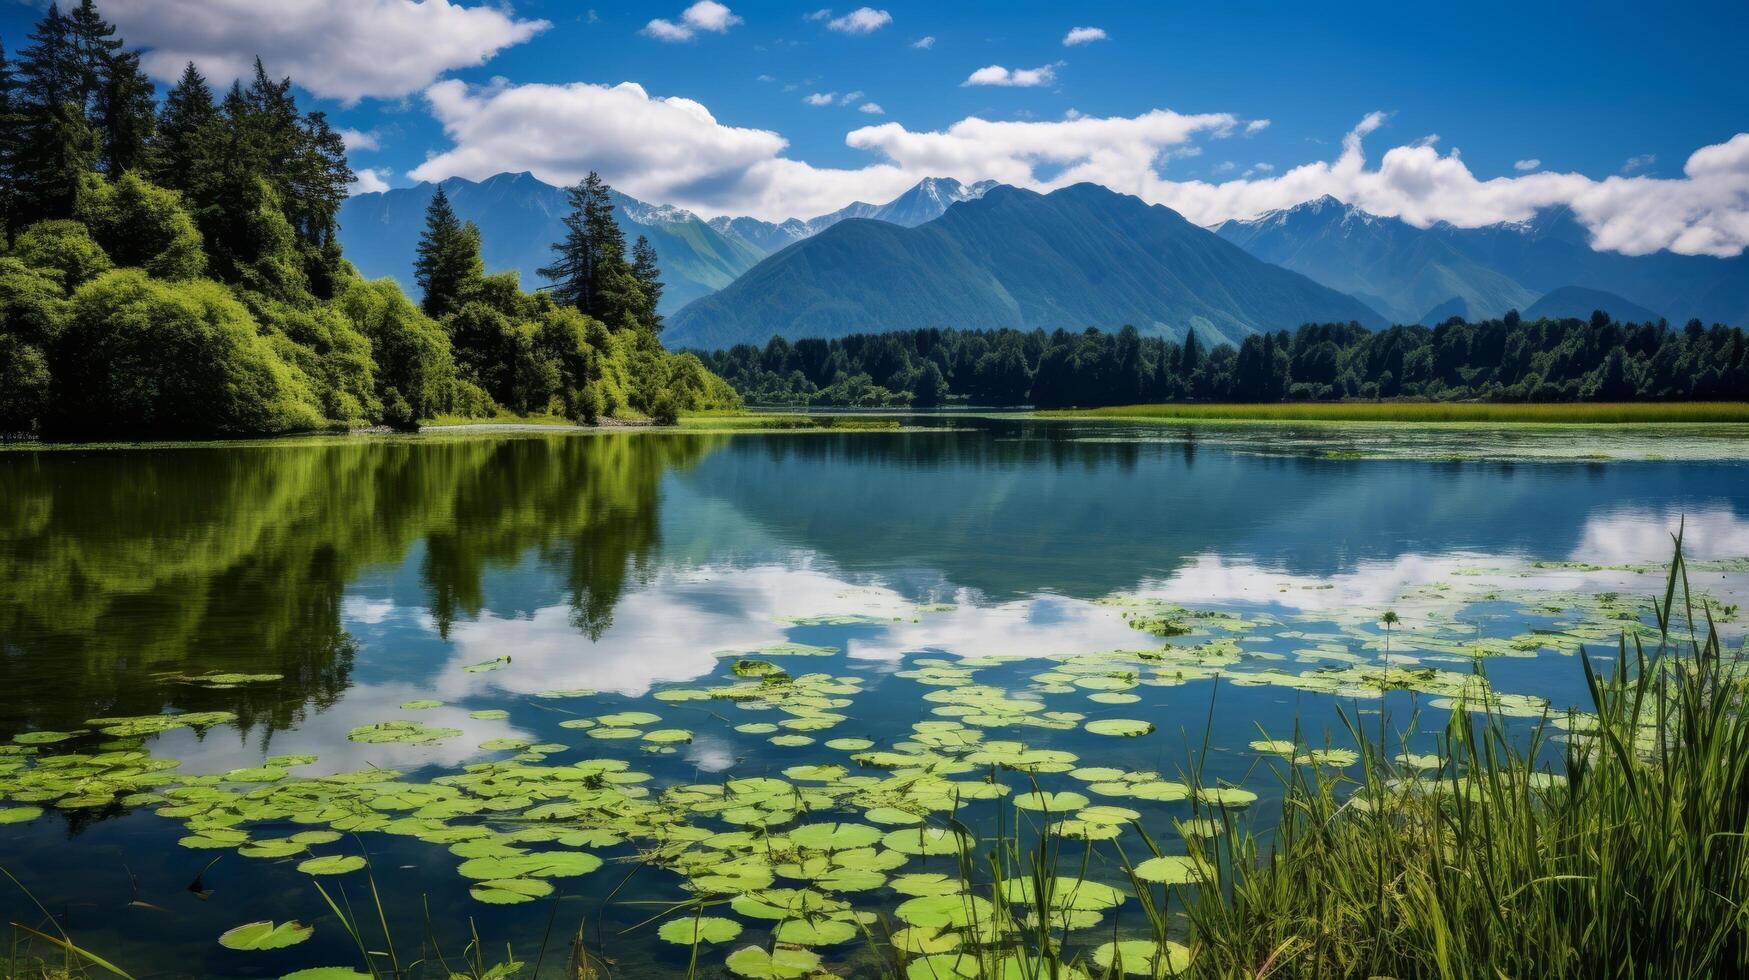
55, 144
648, 273
590, 271
186, 131
448, 267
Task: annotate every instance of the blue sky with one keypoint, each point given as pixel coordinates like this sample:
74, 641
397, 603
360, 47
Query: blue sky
1497, 109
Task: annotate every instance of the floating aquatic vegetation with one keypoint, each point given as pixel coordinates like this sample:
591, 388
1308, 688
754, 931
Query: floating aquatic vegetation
265, 935
411, 732
1120, 727
483, 666
694, 930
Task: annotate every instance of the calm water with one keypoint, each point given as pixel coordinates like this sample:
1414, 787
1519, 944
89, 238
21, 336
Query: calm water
976, 576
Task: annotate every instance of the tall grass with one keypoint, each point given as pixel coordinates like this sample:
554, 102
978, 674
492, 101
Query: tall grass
1628, 860
1566, 413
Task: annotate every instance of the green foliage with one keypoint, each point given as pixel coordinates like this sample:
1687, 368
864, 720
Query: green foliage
143, 358
415, 373
1505, 360
234, 312
449, 268
140, 225
63, 249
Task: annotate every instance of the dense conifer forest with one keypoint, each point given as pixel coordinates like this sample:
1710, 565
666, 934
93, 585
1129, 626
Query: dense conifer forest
1509, 360
171, 269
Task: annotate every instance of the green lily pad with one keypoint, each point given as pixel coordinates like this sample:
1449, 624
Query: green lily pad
783, 963
327, 973
489, 714
265, 935
510, 891
1120, 727
1142, 958
486, 665
421, 704
336, 865
699, 930
19, 814
815, 932
925, 941
1063, 803
1167, 870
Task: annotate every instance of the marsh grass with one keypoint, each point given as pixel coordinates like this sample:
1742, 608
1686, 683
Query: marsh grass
1564, 413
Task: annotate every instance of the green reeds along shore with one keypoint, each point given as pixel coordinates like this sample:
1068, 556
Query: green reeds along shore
1609, 842
1565, 413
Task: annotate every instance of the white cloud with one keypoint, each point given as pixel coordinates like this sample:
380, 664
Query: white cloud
924, 43
872, 108
1640, 162
862, 20
672, 150
339, 49
705, 15
824, 13
1083, 35
1525, 166
820, 98
358, 140
849, 97
1256, 126
368, 181
1014, 78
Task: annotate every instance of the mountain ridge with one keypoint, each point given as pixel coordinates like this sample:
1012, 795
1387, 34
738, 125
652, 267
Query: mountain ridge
1411, 274
1080, 256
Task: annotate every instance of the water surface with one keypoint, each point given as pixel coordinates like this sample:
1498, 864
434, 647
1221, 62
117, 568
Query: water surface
965, 582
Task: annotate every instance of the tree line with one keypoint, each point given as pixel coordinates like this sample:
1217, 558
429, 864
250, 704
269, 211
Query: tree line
171, 268
1505, 359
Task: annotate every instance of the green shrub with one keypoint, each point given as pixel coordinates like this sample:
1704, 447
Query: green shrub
141, 358
63, 249
24, 385
665, 410
142, 225
415, 374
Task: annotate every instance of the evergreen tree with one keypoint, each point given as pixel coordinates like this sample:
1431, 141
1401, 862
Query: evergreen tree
448, 267
55, 145
96, 47
1190, 358
648, 273
8, 137
185, 130
125, 115
590, 271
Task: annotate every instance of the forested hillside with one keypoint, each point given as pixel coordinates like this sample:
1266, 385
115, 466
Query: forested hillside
172, 270
1509, 359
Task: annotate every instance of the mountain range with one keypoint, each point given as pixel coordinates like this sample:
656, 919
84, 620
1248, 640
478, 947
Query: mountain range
1424, 275
928, 200
519, 218
1080, 256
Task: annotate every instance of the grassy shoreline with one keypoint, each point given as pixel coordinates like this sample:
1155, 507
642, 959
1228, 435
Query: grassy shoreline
1561, 413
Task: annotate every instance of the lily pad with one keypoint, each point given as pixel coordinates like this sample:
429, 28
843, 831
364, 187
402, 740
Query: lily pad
782, 963
1120, 727
510, 891
703, 929
335, 865
265, 935
1169, 869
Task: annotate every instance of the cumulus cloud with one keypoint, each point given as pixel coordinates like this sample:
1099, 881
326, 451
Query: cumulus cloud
705, 15
1014, 78
924, 43
872, 108
368, 181
339, 49
862, 20
820, 98
673, 151
357, 140
1083, 35
1525, 166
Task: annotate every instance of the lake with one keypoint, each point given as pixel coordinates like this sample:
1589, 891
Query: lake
543, 678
